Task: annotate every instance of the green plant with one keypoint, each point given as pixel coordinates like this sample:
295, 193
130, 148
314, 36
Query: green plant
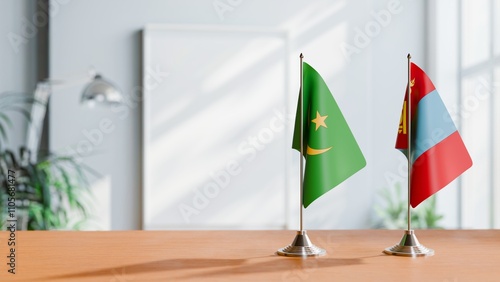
47, 189
393, 213
12, 102
50, 192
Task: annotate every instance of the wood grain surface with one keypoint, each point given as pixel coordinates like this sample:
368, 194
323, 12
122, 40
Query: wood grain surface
352, 255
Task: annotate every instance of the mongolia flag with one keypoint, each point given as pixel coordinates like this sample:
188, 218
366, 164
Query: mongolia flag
438, 154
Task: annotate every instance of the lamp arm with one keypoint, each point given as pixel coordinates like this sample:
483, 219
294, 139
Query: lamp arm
57, 84
98, 87
38, 111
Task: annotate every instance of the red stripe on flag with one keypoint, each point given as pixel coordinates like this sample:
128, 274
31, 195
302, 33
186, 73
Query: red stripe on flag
437, 167
422, 85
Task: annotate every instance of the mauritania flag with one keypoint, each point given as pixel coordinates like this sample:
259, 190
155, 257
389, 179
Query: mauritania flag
331, 152
438, 154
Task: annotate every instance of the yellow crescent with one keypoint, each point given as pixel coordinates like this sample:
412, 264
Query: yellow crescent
312, 152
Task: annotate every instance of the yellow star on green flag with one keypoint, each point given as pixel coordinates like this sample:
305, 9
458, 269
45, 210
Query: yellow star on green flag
331, 152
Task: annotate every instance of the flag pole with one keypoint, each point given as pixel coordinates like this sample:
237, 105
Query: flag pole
409, 246
301, 245
301, 178
408, 89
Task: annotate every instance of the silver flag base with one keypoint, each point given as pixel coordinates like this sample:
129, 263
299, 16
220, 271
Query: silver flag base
301, 247
409, 247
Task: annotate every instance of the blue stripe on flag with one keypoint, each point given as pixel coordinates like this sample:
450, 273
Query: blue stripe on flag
433, 124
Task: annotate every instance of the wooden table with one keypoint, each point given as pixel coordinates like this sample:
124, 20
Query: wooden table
353, 255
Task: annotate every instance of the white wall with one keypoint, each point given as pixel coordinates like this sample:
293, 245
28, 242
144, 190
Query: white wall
368, 86
468, 88
17, 56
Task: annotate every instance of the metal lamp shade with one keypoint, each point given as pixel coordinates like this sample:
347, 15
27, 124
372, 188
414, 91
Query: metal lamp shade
101, 91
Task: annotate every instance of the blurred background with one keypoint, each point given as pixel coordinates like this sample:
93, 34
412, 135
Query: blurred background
201, 138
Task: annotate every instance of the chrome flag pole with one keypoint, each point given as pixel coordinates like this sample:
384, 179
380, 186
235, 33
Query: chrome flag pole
301, 245
409, 245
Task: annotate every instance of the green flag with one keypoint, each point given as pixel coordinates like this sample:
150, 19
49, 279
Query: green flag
331, 152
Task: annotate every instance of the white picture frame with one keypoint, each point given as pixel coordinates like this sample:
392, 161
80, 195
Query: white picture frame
216, 127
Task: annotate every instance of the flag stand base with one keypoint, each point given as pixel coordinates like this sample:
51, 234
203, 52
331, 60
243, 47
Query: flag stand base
301, 247
409, 247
